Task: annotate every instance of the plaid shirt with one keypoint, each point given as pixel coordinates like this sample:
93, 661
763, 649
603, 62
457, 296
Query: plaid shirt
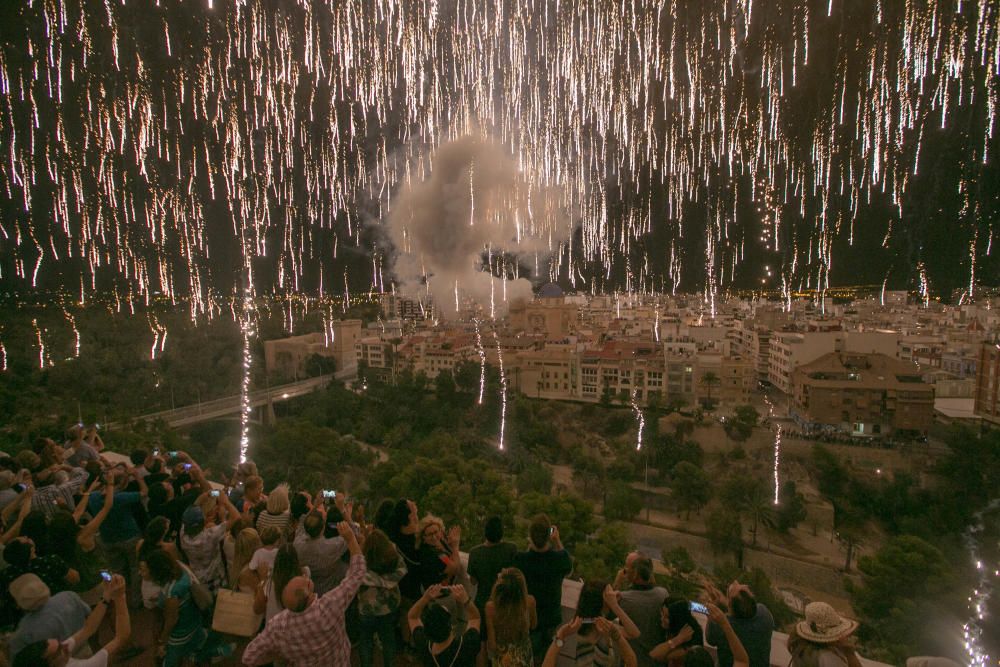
47, 498
314, 638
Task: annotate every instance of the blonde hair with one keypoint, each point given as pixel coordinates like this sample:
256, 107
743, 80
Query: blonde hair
277, 502
428, 521
247, 542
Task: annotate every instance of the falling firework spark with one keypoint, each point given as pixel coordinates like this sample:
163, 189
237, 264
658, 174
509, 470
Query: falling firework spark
973, 629
249, 332
482, 362
640, 420
503, 391
214, 129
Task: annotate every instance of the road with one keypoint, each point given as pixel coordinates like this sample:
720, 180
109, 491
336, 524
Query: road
221, 407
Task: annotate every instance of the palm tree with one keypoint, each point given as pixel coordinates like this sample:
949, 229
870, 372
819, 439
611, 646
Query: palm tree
710, 380
758, 505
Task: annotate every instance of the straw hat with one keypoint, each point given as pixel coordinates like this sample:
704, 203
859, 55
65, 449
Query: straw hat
824, 625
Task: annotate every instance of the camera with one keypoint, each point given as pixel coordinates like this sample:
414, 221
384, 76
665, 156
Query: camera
329, 493
214, 493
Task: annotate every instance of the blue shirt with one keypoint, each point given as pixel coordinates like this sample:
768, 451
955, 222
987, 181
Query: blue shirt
59, 618
120, 525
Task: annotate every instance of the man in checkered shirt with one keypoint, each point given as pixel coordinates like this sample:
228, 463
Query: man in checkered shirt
310, 631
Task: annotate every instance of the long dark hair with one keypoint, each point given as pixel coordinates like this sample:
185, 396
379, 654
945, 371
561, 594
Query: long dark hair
63, 531
380, 553
163, 567
510, 606
679, 610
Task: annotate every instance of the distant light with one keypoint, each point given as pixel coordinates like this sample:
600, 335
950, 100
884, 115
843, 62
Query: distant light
285, 395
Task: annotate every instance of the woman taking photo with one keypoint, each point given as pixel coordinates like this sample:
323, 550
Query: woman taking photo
510, 618
379, 598
683, 632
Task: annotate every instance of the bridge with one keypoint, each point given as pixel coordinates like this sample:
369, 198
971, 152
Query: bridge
232, 405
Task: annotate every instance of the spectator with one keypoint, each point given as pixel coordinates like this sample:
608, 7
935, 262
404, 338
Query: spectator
751, 621
202, 544
229, 543
433, 632
252, 497
182, 634
683, 632
13, 517
56, 653
46, 616
22, 559
487, 560
699, 655
241, 577
79, 450
78, 545
268, 600
598, 600
7, 492
642, 602
544, 565
276, 513
623, 578
263, 558
601, 632
50, 497
823, 639
439, 558
404, 530
310, 631
379, 598
510, 617
320, 553
140, 458
120, 533
154, 538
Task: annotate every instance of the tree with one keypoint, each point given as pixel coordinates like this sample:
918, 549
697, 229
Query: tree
737, 430
691, 487
710, 381
831, 474
601, 556
725, 534
750, 498
851, 529
573, 514
588, 471
792, 508
444, 386
623, 502
535, 477
747, 414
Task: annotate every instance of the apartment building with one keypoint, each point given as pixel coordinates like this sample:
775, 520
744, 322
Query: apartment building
862, 394
987, 394
287, 357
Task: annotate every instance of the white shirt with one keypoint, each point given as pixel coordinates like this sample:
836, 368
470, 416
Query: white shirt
99, 659
264, 556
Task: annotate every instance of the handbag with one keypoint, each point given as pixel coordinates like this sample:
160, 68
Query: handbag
234, 614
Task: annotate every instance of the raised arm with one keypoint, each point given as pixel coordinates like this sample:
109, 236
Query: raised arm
88, 531
24, 500
604, 626
740, 656
413, 616
123, 624
562, 634
96, 617
81, 506
471, 611
663, 651
629, 629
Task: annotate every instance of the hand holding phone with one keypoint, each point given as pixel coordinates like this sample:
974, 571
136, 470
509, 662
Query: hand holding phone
698, 607
105, 575
329, 493
214, 493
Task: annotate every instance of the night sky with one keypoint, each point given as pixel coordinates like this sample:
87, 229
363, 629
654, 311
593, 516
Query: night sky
188, 147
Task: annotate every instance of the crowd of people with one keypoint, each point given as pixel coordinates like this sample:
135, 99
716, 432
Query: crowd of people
90, 543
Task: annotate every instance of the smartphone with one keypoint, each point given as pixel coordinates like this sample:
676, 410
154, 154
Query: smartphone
699, 607
172, 455
156, 451
186, 466
97, 427
20, 488
445, 592
552, 529
214, 493
105, 575
588, 621
330, 493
